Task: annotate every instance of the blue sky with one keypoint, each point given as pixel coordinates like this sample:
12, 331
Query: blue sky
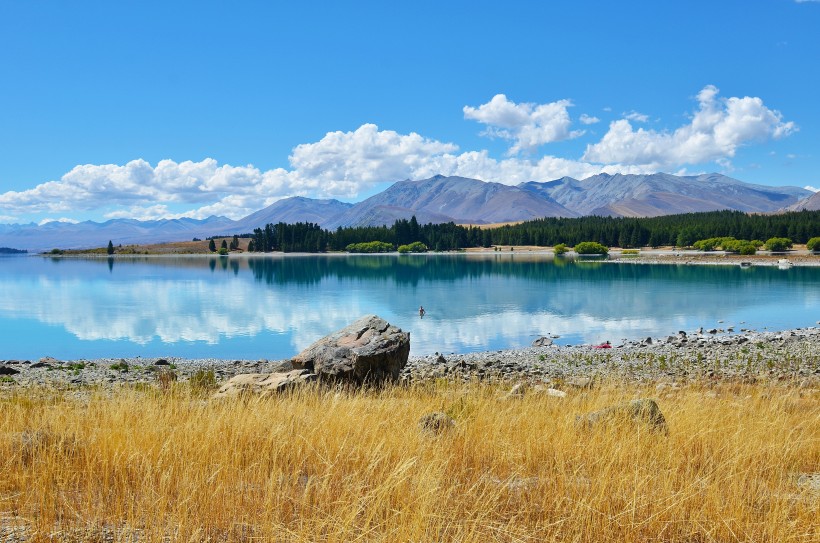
161, 109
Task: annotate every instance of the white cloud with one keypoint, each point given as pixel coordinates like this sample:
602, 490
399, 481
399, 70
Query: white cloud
61, 219
527, 125
588, 119
345, 164
813, 189
717, 129
637, 117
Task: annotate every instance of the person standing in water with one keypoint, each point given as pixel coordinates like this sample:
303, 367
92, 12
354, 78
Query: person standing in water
421, 311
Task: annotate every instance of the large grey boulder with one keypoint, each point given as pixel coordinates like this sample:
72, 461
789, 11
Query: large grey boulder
369, 350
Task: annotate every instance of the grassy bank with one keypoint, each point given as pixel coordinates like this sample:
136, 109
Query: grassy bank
354, 466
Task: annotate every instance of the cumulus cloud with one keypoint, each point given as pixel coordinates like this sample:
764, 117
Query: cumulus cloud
717, 129
344, 163
527, 125
588, 119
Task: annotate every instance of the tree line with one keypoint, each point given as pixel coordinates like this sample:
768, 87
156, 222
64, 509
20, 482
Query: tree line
679, 230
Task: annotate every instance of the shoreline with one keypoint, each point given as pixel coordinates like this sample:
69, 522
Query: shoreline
791, 356
671, 256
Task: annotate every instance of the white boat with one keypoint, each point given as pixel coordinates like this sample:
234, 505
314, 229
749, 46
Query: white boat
784, 263
745, 264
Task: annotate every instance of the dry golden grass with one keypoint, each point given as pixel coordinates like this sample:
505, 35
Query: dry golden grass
323, 465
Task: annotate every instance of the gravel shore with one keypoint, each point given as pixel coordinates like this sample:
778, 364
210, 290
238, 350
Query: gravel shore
748, 356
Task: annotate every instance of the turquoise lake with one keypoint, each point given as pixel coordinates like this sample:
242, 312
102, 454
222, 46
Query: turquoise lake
274, 306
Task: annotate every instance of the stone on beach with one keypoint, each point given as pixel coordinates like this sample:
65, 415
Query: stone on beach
542, 341
368, 350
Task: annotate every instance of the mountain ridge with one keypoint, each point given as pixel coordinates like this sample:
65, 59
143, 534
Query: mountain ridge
443, 199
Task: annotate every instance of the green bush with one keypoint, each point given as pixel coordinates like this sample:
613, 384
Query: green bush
369, 247
415, 247
747, 248
560, 249
223, 251
778, 245
591, 248
57, 251
630, 252
122, 365
813, 244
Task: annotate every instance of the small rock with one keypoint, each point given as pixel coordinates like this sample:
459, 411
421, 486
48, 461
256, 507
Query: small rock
517, 391
713, 331
441, 360
6, 370
436, 422
579, 382
162, 362
644, 411
555, 393
542, 341
264, 383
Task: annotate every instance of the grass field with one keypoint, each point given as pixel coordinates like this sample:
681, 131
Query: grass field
342, 466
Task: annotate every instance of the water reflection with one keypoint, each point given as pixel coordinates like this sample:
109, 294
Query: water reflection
274, 306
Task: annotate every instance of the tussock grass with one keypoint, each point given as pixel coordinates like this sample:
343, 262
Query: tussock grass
340, 466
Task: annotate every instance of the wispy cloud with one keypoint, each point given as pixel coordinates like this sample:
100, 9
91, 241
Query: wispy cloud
588, 119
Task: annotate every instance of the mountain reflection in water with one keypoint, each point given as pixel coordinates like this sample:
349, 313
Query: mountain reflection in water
273, 306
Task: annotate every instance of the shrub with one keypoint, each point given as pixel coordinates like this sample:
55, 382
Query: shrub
223, 251
57, 251
560, 249
778, 245
747, 248
415, 247
630, 252
813, 244
369, 247
122, 365
591, 248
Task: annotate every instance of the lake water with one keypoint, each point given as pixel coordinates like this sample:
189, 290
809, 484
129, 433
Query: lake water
274, 306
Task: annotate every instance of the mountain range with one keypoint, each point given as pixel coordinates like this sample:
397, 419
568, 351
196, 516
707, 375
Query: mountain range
445, 199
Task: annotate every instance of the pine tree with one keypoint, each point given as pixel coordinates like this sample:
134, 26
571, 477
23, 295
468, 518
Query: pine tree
212, 246
110, 247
